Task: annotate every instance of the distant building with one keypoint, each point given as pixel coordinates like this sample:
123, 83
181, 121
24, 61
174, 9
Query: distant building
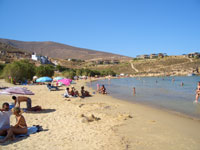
42, 59
152, 56
34, 57
115, 62
106, 61
143, 56
161, 55
99, 62
194, 55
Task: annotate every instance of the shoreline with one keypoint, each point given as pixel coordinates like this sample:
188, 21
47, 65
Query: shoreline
121, 126
162, 108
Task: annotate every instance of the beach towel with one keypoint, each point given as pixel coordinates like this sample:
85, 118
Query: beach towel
31, 130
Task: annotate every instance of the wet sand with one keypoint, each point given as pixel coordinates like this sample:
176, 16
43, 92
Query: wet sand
115, 125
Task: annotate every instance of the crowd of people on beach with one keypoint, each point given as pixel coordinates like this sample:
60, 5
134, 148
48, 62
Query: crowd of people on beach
74, 93
9, 132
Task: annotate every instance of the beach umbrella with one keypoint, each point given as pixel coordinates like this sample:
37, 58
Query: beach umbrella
16, 90
57, 78
44, 79
65, 81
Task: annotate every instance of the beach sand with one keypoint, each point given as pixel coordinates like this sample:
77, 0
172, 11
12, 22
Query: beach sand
120, 125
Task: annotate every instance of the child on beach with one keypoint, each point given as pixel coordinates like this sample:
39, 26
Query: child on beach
19, 128
198, 92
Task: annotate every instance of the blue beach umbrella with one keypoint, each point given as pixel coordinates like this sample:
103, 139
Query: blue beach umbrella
44, 79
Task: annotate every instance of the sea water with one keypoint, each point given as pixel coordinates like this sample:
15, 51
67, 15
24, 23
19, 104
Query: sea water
172, 93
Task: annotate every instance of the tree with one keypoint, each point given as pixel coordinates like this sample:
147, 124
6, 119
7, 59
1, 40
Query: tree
19, 71
78, 72
69, 74
45, 70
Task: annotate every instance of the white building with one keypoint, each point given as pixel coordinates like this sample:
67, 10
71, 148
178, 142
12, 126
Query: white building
34, 57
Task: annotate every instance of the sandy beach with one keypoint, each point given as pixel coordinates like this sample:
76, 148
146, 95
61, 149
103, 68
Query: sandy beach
120, 125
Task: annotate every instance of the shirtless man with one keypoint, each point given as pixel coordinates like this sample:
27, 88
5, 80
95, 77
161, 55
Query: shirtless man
198, 91
4, 119
28, 101
20, 99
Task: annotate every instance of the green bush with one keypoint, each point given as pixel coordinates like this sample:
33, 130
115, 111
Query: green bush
19, 71
45, 70
60, 68
1, 68
69, 74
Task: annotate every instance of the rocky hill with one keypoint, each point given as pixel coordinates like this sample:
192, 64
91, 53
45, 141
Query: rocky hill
62, 51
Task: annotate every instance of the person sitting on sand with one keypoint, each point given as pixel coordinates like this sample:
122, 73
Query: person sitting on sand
67, 93
28, 101
5, 114
74, 92
103, 90
198, 91
84, 93
19, 128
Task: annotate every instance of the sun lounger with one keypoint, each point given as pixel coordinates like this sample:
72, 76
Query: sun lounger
52, 88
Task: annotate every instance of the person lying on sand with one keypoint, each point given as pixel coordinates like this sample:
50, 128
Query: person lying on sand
5, 114
28, 101
19, 128
84, 93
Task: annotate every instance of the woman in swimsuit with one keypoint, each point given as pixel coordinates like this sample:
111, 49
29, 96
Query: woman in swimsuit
198, 91
19, 128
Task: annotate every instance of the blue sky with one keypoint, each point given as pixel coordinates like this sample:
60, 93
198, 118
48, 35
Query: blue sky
127, 27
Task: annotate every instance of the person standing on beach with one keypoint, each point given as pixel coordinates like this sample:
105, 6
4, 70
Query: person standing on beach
98, 87
198, 91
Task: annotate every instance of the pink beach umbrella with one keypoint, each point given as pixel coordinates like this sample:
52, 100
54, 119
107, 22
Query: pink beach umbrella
16, 90
65, 81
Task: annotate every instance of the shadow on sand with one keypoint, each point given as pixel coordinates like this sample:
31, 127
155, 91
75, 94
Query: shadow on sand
18, 139
42, 111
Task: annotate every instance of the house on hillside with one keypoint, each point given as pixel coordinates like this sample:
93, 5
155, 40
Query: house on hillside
106, 62
194, 55
161, 55
99, 62
152, 56
42, 59
143, 56
115, 61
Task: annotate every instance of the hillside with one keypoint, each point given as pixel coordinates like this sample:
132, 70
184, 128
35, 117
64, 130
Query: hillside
62, 51
172, 65
9, 48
